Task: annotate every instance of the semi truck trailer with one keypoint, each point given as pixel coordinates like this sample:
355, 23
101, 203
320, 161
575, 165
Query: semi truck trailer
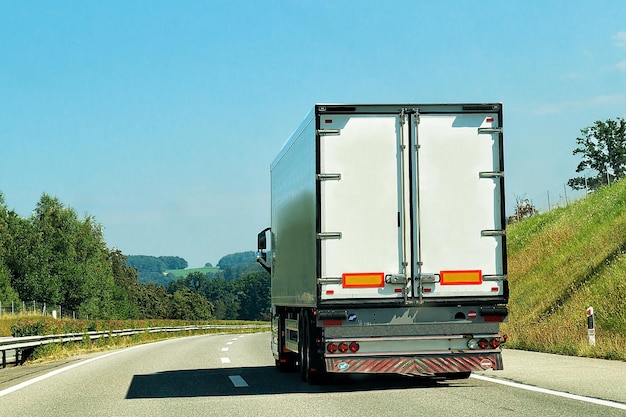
387, 245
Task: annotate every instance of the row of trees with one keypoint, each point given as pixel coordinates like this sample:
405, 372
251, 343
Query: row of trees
55, 257
152, 268
246, 297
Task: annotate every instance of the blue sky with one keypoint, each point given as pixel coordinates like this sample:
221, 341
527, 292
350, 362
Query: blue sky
160, 118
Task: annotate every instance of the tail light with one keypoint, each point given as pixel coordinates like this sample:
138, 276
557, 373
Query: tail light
484, 343
343, 347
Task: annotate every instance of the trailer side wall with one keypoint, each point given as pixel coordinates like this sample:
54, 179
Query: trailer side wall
293, 188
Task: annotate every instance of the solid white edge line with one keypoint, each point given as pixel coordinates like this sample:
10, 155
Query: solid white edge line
551, 392
58, 371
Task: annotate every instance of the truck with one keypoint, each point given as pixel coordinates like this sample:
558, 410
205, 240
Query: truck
387, 243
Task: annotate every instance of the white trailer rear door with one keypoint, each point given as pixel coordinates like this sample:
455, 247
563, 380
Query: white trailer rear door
457, 219
360, 187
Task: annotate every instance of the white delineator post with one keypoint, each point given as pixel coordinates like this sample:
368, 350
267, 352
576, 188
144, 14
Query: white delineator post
591, 330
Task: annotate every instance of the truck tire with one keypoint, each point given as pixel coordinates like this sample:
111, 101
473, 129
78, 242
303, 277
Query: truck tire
312, 368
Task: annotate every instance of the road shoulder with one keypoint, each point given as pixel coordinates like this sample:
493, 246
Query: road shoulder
595, 378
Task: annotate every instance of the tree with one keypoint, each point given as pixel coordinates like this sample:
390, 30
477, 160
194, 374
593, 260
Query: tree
153, 302
7, 293
173, 262
222, 295
128, 291
152, 269
253, 292
238, 264
603, 149
187, 305
21, 256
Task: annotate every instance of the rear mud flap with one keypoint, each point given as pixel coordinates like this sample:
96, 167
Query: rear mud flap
424, 365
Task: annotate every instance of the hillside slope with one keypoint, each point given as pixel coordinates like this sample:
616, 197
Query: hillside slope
562, 262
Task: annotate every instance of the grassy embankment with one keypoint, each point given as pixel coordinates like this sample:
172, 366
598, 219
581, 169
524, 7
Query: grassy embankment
562, 262
47, 325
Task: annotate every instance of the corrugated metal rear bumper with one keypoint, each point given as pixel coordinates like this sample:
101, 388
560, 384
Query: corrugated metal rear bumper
416, 365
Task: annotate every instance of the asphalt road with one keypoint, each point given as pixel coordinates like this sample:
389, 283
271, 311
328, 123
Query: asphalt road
233, 375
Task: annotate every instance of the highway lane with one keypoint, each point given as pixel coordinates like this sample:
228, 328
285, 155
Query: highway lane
233, 375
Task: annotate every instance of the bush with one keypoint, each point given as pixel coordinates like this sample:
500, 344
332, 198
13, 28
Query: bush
27, 327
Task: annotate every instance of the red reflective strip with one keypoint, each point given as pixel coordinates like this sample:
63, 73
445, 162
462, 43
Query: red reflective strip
332, 322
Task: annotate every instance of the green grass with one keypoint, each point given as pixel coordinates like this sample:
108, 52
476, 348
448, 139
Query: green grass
562, 262
181, 273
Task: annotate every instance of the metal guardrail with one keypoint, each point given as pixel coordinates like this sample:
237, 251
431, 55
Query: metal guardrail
30, 342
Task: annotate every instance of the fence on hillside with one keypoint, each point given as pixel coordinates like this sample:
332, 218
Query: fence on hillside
36, 307
554, 197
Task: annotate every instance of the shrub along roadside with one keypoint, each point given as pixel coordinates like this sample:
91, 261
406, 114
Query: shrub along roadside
45, 325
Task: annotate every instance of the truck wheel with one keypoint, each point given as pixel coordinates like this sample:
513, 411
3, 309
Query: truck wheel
313, 370
319, 376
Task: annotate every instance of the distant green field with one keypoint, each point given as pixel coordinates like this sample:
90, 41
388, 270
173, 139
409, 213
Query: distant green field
181, 273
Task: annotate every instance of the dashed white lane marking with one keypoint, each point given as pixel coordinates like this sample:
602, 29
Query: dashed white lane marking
238, 381
229, 343
552, 392
224, 349
225, 360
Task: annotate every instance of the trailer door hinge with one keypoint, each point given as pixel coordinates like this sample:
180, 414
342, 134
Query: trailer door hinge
491, 174
327, 177
329, 235
492, 233
489, 130
328, 132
